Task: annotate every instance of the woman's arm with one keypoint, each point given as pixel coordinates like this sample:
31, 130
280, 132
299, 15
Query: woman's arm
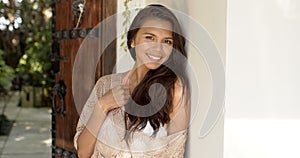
87, 139
96, 109
180, 115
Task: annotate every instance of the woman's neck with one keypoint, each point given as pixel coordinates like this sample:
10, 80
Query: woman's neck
138, 73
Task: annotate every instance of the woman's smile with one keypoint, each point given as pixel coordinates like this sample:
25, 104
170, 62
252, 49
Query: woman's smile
155, 58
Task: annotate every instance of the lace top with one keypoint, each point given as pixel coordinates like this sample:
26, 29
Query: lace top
110, 141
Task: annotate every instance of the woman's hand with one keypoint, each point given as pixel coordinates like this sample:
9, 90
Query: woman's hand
114, 98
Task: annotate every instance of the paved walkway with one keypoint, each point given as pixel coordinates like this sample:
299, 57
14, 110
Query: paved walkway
30, 136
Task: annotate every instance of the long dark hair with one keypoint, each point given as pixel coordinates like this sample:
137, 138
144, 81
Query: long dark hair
167, 75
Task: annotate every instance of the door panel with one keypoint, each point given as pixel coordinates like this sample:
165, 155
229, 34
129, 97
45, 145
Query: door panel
64, 119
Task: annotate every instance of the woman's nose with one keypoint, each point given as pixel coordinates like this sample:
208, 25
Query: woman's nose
157, 46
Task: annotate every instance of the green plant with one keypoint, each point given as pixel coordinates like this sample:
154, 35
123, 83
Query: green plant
126, 21
34, 66
25, 31
7, 74
125, 24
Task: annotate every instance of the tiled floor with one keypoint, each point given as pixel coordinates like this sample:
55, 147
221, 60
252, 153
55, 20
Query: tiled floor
30, 136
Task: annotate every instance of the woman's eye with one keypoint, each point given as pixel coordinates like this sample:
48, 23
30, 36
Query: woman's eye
150, 38
169, 42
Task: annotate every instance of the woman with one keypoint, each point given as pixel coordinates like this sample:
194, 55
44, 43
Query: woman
143, 112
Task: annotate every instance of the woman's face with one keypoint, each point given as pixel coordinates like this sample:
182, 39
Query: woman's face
153, 43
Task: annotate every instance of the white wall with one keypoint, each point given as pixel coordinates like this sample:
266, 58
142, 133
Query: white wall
212, 15
262, 90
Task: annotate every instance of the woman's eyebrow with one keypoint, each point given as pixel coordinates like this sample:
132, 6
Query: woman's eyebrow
148, 33
168, 38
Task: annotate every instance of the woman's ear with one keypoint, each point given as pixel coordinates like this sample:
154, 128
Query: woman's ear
132, 44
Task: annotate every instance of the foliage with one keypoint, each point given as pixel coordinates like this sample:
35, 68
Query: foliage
125, 24
25, 31
7, 74
34, 65
9, 31
127, 20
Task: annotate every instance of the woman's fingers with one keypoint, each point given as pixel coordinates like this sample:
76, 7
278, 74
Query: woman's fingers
121, 95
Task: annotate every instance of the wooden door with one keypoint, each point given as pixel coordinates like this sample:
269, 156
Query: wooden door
66, 42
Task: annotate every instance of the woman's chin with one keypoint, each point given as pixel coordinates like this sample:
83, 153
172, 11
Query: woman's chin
153, 65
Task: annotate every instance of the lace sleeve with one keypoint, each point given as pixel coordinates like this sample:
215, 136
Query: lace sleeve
88, 108
176, 148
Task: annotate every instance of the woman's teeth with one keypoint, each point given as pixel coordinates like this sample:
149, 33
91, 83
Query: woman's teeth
154, 57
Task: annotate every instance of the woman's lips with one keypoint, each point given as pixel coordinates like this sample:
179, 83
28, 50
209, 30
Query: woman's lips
154, 57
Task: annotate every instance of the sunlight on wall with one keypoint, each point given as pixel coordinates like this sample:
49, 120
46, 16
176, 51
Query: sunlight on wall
262, 138
262, 85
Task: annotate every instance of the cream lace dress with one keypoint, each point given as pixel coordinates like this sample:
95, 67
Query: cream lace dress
110, 142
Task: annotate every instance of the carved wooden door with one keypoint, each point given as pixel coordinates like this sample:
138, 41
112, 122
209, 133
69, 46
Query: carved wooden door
68, 34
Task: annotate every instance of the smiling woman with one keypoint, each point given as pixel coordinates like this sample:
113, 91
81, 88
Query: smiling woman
143, 112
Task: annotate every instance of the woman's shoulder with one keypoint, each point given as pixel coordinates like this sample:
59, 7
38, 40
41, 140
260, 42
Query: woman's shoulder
111, 78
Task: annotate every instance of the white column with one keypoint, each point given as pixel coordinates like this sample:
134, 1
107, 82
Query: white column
211, 14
